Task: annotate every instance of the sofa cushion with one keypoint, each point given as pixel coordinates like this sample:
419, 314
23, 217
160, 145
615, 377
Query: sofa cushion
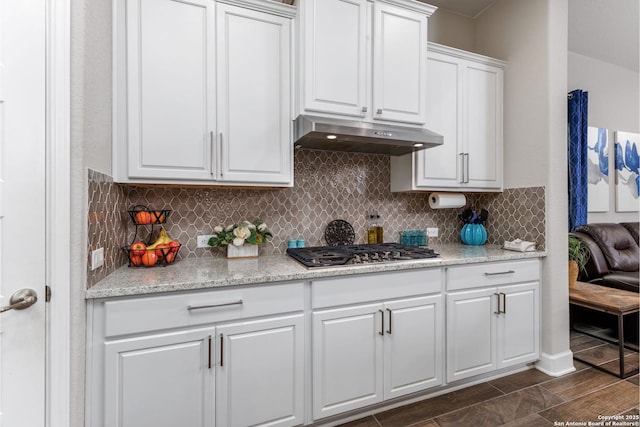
618, 246
633, 228
625, 280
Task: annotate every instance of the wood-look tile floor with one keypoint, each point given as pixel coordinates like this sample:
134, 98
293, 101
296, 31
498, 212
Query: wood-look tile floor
528, 399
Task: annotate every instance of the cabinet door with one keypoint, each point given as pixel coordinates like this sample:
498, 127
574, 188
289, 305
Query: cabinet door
160, 380
413, 345
347, 359
471, 340
518, 334
334, 52
260, 373
483, 125
254, 78
399, 64
440, 167
170, 89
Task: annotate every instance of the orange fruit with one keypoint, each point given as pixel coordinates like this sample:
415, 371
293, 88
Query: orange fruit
149, 258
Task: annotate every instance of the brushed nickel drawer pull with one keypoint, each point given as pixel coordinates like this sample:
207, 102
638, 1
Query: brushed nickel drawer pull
499, 273
381, 322
223, 304
504, 302
390, 314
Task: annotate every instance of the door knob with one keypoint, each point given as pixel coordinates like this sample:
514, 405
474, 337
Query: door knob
21, 299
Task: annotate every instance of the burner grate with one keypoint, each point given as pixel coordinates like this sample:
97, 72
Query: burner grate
326, 256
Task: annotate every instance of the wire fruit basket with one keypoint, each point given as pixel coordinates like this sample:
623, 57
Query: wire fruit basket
161, 252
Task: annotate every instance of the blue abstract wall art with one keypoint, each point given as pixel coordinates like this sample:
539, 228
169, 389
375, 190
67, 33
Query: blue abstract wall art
627, 166
598, 169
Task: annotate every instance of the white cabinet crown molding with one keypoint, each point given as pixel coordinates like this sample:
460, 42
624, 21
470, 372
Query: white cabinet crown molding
267, 6
463, 54
412, 5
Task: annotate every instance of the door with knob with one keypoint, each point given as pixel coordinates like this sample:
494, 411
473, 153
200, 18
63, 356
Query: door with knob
22, 213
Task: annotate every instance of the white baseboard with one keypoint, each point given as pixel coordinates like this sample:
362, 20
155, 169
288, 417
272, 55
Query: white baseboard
556, 365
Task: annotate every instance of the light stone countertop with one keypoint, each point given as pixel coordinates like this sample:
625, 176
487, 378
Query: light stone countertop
205, 273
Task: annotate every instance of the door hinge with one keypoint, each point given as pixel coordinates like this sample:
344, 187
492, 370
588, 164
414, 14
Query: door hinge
47, 293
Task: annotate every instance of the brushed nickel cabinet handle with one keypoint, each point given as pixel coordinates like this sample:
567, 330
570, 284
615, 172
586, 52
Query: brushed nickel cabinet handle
497, 295
504, 302
222, 304
221, 350
221, 155
466, 156
212, 156
390, 314
461, 156
381, 322
209, 358
500, 273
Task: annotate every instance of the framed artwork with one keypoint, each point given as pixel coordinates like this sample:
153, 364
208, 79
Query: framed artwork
598, 169
627, 176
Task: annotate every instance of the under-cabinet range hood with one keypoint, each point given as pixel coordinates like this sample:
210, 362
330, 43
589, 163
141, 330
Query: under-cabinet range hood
320, 133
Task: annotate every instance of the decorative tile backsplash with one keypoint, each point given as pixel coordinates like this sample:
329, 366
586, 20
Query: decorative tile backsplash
328, 186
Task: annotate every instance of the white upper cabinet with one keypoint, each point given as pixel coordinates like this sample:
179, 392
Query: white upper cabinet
364, 59
254, 116
165, 89
464, 104
202, 92
399, 64
334, 52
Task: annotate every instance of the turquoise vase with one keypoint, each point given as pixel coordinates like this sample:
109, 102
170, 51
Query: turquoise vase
473, 234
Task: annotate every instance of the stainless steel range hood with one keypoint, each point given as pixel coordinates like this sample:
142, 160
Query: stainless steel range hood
320, 133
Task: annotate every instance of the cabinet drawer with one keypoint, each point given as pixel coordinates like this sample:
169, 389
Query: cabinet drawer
374, 287
492, 274
172, 311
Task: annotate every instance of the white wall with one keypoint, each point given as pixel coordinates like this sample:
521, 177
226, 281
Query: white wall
451, 29
531, 35
90, 148
515, 32
614, 103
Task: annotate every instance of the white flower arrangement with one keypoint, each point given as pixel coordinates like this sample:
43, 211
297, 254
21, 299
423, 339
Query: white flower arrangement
241, 233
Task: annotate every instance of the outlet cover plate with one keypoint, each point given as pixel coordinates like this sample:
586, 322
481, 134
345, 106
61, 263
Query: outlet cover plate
203, 241
97, 258
432, 232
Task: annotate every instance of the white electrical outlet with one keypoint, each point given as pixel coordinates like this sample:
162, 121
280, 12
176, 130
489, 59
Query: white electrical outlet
203, 241
432, 232
97, 258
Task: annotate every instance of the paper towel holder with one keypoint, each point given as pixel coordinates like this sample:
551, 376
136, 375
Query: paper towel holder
447, 200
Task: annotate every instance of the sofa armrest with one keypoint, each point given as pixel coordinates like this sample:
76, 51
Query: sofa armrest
597, 264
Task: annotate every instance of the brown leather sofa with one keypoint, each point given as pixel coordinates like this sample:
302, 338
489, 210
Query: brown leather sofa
615, 254
614, 260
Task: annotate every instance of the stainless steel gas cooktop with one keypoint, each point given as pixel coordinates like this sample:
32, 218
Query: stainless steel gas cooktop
330, 256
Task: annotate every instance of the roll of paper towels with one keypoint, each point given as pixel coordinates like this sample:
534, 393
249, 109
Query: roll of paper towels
447, 200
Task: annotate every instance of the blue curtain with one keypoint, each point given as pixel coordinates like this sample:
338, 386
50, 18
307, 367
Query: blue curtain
577, 158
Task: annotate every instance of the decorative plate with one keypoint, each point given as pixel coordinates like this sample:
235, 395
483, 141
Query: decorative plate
339, 232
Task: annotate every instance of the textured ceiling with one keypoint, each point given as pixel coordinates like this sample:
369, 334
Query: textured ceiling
607, 30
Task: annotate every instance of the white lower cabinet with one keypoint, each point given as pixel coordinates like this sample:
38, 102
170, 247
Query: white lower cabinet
160, 380
168, 379
293, 353
260, 373
232, 357
491, 328
369, 353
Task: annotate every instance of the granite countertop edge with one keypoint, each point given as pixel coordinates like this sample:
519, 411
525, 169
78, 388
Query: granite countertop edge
207, 273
